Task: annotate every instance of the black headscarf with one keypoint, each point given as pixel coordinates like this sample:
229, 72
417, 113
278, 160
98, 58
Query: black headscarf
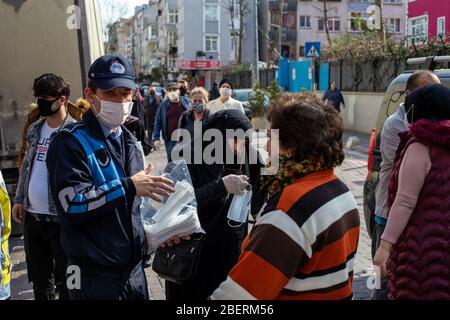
222, 121
429, 102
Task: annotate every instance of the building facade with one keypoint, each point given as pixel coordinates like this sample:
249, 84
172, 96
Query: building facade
303, 21
428, 19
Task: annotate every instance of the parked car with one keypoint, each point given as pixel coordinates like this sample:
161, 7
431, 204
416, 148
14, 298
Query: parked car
243, 95
392, 99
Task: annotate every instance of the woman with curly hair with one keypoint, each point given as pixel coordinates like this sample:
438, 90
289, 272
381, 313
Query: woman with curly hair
305, 238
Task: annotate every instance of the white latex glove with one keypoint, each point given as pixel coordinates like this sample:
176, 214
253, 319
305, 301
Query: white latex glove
157, 145
235, 184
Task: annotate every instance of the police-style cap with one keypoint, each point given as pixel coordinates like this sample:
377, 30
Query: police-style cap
109, 72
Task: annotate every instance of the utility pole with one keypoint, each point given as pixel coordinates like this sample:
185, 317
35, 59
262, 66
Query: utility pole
256, 42
280, 27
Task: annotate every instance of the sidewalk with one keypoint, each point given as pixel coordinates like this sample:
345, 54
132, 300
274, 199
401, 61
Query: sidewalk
352, 172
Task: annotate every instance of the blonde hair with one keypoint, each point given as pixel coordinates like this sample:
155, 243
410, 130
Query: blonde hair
202, 91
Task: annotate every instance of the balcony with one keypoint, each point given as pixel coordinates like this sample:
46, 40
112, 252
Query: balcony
289, 6
286, 35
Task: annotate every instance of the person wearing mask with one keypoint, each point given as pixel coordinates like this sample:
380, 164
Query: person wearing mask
75, 110
389, 141
198, 111
184, 88
33, 204
214, 92
168, 117
303, 244
151, 104
414, 251
225, 101
215, 185
5, 232
97, 179
334, 96
135, 123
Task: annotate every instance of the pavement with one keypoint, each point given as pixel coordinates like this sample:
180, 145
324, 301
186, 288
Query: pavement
352, 172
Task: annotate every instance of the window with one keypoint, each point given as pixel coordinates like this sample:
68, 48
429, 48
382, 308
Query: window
358, 20
305, 21
418, 29
173, 38
334, 24
441, 27
153, 32
173, 16
172, 63
393, 25
211, 43
211, 12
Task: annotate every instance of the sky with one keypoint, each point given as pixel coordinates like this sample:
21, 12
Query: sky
134, 3
131, 5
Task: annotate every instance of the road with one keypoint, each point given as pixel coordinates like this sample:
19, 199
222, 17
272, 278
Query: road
352, 172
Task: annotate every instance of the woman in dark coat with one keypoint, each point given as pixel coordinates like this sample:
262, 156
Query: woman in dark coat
213, 185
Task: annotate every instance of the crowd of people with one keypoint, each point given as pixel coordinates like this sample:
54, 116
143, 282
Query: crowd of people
82, 181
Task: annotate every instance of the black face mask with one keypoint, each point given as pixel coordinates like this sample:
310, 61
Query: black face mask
183, 91
45, 107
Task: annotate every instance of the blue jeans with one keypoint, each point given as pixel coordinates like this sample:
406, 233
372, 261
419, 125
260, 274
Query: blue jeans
169, 147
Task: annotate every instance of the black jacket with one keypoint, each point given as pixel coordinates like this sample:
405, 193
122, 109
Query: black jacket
221, 248
108, 232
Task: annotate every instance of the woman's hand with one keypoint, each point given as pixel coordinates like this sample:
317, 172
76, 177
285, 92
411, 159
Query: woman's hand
235, 184
382, 256
174, 240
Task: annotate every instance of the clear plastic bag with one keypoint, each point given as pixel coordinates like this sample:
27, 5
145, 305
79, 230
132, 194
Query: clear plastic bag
177, 216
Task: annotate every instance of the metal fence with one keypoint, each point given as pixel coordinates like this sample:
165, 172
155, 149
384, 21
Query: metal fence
373, 76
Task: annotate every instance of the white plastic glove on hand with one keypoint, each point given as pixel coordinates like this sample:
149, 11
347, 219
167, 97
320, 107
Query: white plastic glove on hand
235, 184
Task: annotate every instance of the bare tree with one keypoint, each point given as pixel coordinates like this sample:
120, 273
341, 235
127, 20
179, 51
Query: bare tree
381, 32
229, 5
243, 9
324, 11
112, 10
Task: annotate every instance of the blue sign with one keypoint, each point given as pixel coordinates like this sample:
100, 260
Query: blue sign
312, 49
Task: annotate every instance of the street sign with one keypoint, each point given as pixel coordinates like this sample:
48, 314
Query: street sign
312, 49
199, 65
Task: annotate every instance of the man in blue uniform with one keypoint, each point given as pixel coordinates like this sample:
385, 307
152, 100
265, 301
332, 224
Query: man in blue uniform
97, 177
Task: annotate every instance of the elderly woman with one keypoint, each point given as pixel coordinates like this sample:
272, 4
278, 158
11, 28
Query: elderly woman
415, 247
198, 111
215, 186
305, 239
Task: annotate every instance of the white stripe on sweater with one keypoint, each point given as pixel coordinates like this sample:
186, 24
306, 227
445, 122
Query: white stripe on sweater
321, 282
328, 214
230, 290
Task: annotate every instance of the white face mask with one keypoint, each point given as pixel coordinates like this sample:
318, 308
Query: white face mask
226, 92
114, 114
173, 96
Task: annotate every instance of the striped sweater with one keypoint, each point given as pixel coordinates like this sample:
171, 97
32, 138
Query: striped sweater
302, 246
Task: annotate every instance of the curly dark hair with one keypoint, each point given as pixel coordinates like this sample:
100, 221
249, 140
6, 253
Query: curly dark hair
51, 85
309, 127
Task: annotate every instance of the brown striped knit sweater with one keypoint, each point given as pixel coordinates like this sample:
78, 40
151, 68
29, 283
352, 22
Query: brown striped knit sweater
302, 246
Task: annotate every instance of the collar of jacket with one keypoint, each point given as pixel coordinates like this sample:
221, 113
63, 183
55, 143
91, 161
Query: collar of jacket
39, 123
183, 100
